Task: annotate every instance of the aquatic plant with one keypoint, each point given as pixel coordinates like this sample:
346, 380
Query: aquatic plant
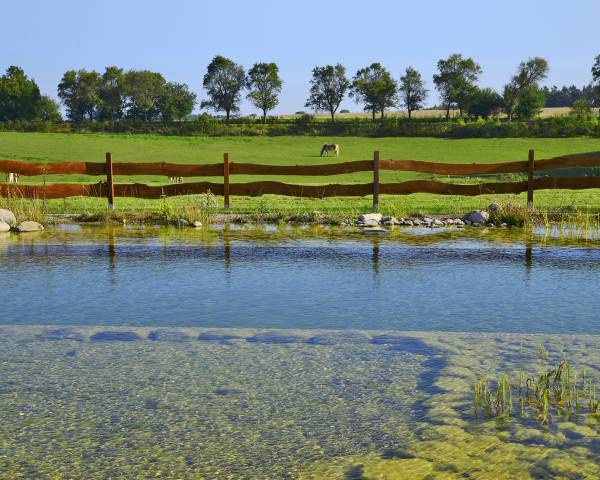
557, 391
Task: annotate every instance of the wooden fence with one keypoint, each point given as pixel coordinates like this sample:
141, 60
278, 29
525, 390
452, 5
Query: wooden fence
110, 190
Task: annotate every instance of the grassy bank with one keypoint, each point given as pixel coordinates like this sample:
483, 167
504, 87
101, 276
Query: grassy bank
39, 147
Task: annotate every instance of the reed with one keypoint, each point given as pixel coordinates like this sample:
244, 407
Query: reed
557, 392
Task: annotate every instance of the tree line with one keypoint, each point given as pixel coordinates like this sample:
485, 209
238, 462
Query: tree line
147, 96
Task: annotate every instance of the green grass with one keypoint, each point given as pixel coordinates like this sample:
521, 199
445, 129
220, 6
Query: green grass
46, 147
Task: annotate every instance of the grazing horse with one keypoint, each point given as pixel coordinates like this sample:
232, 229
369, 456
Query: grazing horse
176, 179
12, 177
330, 147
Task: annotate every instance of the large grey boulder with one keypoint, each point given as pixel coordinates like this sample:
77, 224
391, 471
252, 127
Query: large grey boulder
476, 216
29, 226
4, 227
7, 216
370, 219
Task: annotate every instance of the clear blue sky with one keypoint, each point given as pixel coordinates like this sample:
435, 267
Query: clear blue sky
179, 37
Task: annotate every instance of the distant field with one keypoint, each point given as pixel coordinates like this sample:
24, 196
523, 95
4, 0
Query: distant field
41, 147
546, 112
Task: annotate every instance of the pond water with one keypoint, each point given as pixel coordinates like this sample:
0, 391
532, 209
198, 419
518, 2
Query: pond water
278, 278
277, 352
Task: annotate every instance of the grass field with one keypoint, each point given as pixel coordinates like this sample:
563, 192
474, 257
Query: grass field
43, 147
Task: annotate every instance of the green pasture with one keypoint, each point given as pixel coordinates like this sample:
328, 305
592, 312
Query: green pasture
50, 147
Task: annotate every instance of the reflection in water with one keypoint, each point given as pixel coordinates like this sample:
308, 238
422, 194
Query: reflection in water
326, 278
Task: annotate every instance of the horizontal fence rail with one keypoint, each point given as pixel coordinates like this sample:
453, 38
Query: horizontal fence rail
109, 189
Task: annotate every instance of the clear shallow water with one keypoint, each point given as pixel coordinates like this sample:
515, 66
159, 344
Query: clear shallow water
342, 392
272, 277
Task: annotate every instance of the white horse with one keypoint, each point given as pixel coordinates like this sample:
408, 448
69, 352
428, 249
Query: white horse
330, 147
12, 177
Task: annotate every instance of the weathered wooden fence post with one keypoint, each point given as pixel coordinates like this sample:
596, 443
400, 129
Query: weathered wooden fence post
375, 180
530, 170
226, 180
110, 186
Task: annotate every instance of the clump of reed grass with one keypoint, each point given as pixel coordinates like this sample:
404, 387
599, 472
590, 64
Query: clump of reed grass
556, 392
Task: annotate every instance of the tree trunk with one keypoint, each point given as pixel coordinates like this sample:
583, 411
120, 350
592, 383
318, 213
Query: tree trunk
409, 113
264, 116
373, 115
382, 113
332, 116
447, 112
227, 112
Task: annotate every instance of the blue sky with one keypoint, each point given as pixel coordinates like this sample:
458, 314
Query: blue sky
178, 38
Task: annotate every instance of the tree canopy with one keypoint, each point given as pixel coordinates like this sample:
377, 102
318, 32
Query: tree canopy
20, 97
375, 88
328, 88
524, 88
264, 86
412, 90
224, 81
455, 81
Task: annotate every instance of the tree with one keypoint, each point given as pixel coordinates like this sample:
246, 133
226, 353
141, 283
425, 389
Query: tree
531, 100
111, 94
49, 110
143, 90
581, 108
328, 87
375, 88
20, 97
524, 85
224, 81
176, 101
596, 78
484, 103
412, 90
264, 86
78, 91
455, 81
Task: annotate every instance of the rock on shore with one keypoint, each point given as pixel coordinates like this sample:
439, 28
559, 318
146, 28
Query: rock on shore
7, 216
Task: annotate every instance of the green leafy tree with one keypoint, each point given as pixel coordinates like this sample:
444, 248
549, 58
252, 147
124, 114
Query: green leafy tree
49, 110
176, 101
374, 87
596, 78
111, 94
224, 81
530, 103
524, 86
20, 97
412, 91
78, 91
581, 108
143, 90
264, 87
485, 103
328, 88
455, 81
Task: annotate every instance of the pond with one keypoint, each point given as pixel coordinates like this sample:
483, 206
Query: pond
289, 352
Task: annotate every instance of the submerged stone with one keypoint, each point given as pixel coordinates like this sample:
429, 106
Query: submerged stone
168, 336
217, 337
113, 336
272, 337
